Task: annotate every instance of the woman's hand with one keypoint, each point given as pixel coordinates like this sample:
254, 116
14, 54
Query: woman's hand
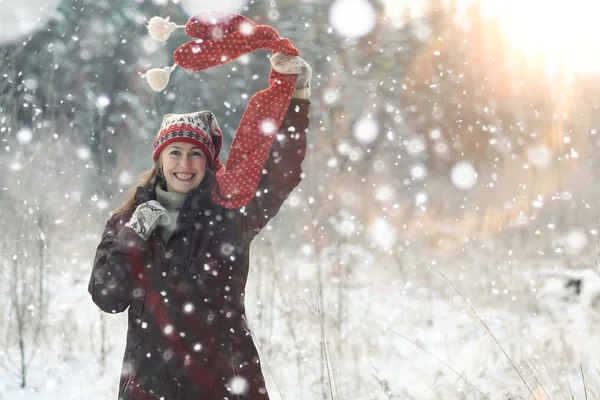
287, 64
147, 217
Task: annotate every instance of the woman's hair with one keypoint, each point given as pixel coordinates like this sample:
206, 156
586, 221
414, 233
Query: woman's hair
146, 178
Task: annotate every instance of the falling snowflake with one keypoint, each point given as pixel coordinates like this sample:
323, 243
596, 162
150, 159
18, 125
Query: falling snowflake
346, 227
418, 172
167, 355
168, 330
307, 249
125, 178
366, 130
268, 127
102, 101
435, 134
383, 234
24, 135
352, 18
192, 7
83, 153
464, 175
575, 242
415, 145
238, 385
421, 199
343, 147
384, 193
539, 156
246, 28
227, 249
188, 308
331, 96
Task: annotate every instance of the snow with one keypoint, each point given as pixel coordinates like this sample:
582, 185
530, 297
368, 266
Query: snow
421, 199
418, 172
415, 146
125, 178
268, 127
385, 193
83, 153
366, 130
352, 18
463, 175
102, 101
395, 332
192, 7
383, 234
381, 277
331, 96
539, 156
23, 18
238, 385
575, 242
24, 135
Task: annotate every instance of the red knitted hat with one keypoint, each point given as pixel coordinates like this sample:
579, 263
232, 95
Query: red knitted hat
197, 128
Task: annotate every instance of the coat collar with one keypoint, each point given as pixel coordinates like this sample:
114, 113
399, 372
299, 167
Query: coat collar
194, 202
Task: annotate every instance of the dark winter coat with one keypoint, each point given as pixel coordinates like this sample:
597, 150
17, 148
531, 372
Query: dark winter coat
187, 337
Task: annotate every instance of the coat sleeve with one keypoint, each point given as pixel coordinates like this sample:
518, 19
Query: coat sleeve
282, 171
118, 256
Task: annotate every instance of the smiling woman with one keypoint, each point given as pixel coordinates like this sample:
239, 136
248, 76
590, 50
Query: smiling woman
557, 32
176, 255
183, 167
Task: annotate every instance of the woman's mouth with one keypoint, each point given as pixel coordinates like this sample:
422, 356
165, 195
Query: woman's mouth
184, 177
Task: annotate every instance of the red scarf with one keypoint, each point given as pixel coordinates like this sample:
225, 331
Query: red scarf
223, 37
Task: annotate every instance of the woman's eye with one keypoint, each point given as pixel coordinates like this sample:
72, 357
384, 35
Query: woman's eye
196, 154
175, 153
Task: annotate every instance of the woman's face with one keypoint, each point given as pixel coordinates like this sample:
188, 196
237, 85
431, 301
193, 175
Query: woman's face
183, 165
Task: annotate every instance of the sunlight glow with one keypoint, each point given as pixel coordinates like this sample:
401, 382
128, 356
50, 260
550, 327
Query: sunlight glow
559, 32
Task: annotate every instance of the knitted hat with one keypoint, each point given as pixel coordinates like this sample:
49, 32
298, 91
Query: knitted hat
197, 128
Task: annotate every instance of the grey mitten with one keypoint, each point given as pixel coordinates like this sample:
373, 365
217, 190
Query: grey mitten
146, 217
287, 64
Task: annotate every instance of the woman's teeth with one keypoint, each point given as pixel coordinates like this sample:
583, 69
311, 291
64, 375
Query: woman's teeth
184, 177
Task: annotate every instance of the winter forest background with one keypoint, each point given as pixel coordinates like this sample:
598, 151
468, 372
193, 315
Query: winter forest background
443, 243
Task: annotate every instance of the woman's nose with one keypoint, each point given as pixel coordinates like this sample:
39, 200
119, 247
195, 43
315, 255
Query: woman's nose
185, 161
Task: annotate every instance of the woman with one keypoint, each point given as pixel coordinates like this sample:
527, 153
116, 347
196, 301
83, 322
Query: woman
176, 254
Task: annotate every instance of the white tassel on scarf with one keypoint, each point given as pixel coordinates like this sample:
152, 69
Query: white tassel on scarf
158, 78
160, 28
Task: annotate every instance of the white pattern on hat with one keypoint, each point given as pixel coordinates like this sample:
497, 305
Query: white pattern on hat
200, 127
194, 120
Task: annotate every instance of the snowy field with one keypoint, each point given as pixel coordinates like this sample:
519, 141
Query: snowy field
400, 335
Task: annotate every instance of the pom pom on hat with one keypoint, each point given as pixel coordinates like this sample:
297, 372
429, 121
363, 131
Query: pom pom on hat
158, 78
160, 28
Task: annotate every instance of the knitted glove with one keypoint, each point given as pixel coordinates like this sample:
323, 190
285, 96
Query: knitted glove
147, 217
287, 64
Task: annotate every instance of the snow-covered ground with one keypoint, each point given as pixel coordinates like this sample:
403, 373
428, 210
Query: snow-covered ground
393, 342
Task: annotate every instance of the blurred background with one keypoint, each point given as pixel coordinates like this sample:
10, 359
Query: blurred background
443, 243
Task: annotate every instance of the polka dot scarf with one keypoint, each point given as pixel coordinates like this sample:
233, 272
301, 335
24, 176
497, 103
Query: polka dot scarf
221, 37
